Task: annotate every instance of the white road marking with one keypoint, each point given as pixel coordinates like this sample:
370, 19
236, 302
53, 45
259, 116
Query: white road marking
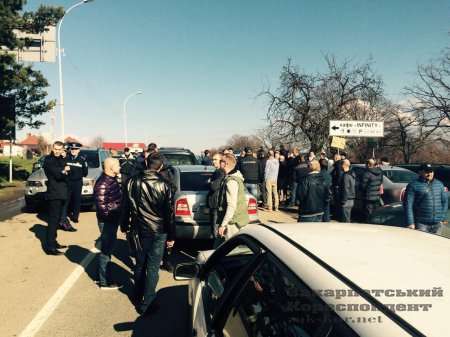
47, 310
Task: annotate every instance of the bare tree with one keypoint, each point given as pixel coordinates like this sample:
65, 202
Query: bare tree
304, 104
43, 145
96, 142
432, 92
238, 142
408, 131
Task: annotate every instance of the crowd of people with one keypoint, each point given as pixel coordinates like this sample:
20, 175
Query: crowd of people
142, 206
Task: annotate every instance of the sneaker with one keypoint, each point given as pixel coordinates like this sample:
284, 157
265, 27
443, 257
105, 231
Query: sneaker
112, 286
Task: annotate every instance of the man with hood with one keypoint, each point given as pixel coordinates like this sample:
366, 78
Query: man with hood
345, 193
232, 205
314, 195
370, 188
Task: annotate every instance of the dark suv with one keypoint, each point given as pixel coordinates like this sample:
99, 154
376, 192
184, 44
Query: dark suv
441, 172
178, 155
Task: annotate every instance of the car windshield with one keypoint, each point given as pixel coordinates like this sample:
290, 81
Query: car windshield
180, 159
400, 176
195, 181
91, 158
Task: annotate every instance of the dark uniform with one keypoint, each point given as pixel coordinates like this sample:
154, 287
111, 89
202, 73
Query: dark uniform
78, 170
56, 196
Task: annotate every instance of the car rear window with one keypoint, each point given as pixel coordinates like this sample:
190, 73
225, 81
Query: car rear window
180, 159
195, 181
91, 158
400, 176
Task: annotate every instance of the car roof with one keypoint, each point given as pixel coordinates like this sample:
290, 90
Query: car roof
372, 257
173, 149
383, 167
194, 168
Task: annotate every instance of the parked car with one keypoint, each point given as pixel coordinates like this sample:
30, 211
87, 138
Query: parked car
394, 215
39, 163
190, 208
441, 171
178, 155
36, 185
395, 180
299, 279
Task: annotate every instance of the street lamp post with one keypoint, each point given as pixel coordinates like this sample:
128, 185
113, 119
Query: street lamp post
146, 130
61, 96
125, 114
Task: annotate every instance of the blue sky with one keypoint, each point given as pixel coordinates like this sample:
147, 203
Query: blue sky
201, 64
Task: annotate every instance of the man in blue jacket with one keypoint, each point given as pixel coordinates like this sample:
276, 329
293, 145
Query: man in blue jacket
426, 202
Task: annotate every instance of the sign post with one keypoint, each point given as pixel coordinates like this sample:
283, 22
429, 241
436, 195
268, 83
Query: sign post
357, 129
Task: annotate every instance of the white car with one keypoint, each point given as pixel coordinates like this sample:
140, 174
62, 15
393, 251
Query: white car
191, 210
321, 279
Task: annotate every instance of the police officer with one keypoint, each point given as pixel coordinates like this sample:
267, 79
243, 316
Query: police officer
78, 170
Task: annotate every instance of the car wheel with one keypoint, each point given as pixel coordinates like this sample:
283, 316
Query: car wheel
30, 207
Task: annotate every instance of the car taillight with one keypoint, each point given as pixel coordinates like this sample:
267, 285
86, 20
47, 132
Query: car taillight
182, 207
402, 194
88, 182
252, 207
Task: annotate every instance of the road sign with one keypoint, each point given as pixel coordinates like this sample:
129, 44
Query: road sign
357, 129
338, 142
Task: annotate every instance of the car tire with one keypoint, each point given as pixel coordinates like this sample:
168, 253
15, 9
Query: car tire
31, 207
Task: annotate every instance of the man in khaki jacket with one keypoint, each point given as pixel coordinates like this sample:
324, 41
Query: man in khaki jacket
232, 211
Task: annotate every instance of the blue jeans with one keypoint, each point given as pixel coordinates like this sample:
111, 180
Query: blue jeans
315, 218
108, 240
294, 187
252, 189
433, 228
146, 275
326, 213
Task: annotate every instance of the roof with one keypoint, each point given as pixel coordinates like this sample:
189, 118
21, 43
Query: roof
71, 140
194, 168
373, 257
383, 167
30, 140
121, 146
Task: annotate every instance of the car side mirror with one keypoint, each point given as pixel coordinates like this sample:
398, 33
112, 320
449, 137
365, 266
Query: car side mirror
186, 271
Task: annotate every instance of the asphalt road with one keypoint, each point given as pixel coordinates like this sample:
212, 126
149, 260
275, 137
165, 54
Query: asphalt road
13, 205
56, 296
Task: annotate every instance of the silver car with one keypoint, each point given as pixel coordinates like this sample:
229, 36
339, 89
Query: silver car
190, 208
395, 180
36, 185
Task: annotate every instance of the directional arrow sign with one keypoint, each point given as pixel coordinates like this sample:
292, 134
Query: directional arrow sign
357, 129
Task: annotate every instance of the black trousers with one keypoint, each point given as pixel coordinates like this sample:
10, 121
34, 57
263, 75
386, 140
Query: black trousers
55, 208
368, 208
73, 201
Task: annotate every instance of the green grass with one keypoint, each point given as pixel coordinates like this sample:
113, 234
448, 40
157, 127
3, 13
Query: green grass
21, 170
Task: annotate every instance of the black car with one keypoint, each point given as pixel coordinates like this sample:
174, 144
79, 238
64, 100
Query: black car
441, 171
394, 215
178, 155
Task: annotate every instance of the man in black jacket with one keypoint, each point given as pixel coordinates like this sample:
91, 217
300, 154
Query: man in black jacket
56, 172
345, 193
314, 195
149, 202
370, 188
251, 170
215, 182
78, 170
108, 202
